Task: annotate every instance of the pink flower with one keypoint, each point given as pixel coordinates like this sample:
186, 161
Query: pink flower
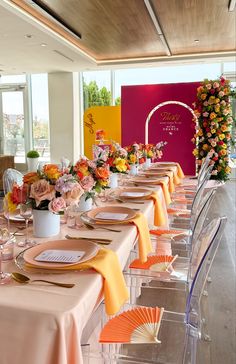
57, 204
73, 195
205, 114
216, 84
42, 190
87, 183
221, 94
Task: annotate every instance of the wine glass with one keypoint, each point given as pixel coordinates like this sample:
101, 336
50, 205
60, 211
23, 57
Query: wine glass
26, 212
4, 238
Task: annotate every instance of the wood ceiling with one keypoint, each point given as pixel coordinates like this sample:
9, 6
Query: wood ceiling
123, 29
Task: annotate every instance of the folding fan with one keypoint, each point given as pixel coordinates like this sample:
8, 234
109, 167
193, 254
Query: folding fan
179, 212
168, 233
157, 263
139, 325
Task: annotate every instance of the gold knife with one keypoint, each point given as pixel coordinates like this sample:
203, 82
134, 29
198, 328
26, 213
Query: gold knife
102, 240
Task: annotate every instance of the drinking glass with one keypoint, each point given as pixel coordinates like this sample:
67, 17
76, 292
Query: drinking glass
26, 212
4, 238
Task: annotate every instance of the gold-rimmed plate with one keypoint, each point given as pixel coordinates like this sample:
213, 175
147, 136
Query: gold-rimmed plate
134, 193
111, 214
90, 250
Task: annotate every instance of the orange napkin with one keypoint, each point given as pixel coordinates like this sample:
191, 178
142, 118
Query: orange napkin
144, 241
159, 216
176, 178
107, 264
171, 175
180, 171
165, 192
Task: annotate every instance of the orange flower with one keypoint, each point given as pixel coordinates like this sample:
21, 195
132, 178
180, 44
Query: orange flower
203, 96
102, 173
30, 177
51, 171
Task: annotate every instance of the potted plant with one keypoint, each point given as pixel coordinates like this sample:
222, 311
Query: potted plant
32, 160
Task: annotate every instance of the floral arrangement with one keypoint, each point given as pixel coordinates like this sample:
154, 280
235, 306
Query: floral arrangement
152, 151
213, 129
117, 159
100, 134
134, 153
54, 189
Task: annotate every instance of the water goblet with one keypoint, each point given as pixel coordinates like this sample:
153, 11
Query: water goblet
26, 212
4, 238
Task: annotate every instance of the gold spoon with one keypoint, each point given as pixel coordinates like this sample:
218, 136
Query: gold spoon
91, 227
21, 278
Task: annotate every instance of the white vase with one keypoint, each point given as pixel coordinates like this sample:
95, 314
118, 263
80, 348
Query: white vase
45, 223
133, 169
147, 163
113, 180
32, 164
85, 205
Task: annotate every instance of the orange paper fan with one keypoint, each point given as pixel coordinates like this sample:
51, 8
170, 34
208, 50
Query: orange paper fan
157, 263
178, 212
168, 233
139, 325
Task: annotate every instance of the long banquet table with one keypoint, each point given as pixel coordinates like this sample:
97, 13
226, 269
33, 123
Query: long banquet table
43, 324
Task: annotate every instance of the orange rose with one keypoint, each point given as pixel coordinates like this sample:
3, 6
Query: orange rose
51, 171
30, 178
102, 173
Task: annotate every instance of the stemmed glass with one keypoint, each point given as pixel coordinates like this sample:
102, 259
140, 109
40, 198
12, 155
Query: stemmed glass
4, 238
26, 212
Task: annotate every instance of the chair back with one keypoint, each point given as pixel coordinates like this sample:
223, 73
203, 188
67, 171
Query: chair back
204, 251
204, 167
11, 176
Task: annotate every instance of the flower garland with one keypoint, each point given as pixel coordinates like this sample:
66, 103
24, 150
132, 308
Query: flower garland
213, 129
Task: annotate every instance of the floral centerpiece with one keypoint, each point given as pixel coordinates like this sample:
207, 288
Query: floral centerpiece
100, 135
117, 159
213, 129
158, 149
134, 153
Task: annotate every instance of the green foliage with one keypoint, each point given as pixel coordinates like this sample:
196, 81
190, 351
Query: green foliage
93, 96
118, 101
32, 154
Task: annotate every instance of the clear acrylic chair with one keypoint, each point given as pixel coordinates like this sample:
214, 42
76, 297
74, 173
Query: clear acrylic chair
11, 176
179, 331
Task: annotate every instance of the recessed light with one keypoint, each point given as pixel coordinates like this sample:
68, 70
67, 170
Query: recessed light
43, 45
28, 36
196, 40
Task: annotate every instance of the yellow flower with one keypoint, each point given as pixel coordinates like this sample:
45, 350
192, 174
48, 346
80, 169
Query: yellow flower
205, 147
222, 152
227, 170
212, 115
120, 164
8, 204
200, 132
221, 136
195, 152
224, 146
150, 154
224, 127
133, 158
217, 100
213, 131
51, 171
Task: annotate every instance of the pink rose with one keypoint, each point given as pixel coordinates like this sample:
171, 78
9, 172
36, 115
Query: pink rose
87, 183
73, 195
42, 190
57, 204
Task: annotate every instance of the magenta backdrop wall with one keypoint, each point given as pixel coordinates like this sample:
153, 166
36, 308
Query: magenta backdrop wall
171, 123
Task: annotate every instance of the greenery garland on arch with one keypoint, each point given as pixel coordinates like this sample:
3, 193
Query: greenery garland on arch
213, 128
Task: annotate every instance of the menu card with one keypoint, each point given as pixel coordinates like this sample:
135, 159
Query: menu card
60, 256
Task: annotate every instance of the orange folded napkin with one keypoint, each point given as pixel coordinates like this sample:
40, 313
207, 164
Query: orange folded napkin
176, 178
165, 192
159, 216
180, 171
107, 264
170, 174
144, 241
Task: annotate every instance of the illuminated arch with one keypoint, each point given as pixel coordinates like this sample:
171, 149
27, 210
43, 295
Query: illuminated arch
158, 107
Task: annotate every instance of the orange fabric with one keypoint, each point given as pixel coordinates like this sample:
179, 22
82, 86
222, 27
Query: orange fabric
171, 175
165, 192
159, 216
180, 171
144, 241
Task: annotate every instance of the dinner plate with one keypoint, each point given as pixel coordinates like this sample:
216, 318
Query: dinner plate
134, 193
147, 181
155, 173
15, 217
111, 214
90, 249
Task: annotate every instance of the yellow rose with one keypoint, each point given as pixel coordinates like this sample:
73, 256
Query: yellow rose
222, 152
217, 100
221, 136
195, 152
213, 131
120, 164
205, 147
227, 170
224, 146
133, 158
212, 115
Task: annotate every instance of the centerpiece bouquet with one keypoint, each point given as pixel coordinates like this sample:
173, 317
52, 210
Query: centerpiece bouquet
134, 153
158, 149
118, 159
